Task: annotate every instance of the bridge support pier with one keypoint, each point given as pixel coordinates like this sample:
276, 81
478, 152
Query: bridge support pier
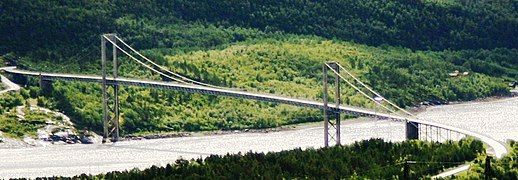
110, 113
412, 130
327, 112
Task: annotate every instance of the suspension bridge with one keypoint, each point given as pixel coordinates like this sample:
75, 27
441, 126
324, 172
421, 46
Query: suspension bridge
415, 128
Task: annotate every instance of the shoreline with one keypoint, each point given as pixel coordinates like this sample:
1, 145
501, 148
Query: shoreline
420, 108
293, 127
290, 127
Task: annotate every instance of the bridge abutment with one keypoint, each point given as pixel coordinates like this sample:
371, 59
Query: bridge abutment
45, 87
412, 130
20, 79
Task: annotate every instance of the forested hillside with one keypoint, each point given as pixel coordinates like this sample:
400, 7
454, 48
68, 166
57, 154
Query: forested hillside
434, 25
404, 49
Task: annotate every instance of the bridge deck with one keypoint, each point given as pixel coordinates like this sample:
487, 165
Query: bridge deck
206, 90
498, 147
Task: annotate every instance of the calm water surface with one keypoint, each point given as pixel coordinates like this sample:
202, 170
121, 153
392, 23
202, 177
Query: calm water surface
497, 119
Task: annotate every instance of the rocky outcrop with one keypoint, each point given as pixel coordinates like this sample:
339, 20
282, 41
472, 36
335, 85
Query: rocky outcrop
57, 130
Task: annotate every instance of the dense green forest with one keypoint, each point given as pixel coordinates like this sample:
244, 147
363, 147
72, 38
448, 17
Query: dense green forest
404, 49
432, 25
425, 24
370, 159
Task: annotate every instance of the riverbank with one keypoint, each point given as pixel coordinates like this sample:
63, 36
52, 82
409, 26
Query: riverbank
14, 143
57, 128
421, 108
158, 135
97, 158
292, 127
299, 126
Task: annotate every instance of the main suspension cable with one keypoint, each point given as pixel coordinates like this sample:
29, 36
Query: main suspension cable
374, 92
357, 89
140, 62
165, 69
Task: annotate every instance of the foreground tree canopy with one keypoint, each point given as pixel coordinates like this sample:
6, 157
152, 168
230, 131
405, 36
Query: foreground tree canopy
504, 168
371, 159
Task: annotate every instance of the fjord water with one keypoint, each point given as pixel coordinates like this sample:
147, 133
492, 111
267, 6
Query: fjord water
497, 119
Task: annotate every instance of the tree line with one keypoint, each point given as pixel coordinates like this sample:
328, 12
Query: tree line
371, 159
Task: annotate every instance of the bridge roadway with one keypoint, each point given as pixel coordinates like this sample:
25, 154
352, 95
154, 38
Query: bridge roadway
498, 148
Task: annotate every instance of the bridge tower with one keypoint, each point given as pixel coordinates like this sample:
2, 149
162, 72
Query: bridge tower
328, 112
110, 104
